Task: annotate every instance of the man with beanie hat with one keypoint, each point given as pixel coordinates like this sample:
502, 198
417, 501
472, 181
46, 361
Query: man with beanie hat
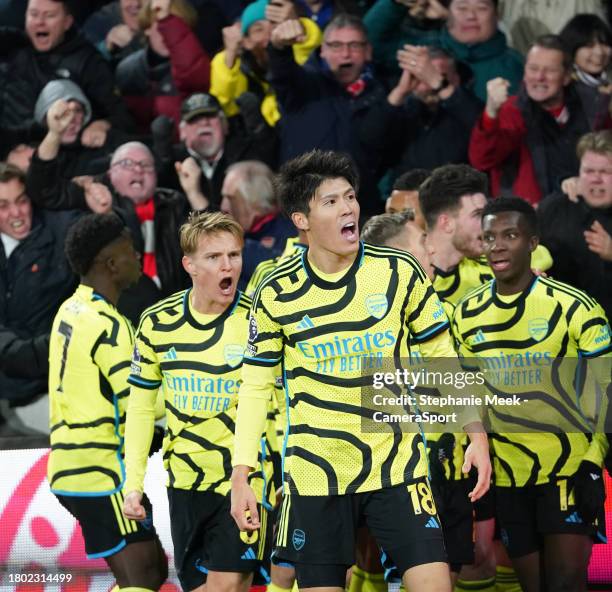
65, 111
70, 92
242, 66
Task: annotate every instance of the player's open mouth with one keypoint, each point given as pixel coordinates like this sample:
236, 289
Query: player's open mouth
346, 66
349, 231
17, 224
226, 285
500, 265
204, 132
42, 35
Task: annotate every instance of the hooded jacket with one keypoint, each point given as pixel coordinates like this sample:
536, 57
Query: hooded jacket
24, 72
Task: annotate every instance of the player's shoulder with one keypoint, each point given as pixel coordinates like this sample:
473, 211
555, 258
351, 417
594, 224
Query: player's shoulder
567, 295
243, 304
167, 308
475, 297
376, 254
286, 269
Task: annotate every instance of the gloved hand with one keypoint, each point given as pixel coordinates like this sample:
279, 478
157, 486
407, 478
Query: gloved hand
440, 451
250, 111
589, 490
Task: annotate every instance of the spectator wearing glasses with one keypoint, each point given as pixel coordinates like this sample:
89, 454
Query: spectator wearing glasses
129, 187
330, 102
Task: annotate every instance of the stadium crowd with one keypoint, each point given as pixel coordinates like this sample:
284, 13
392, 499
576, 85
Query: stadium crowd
183, 184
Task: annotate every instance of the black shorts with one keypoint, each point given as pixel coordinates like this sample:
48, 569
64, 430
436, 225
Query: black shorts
484, 508
206, 538
317, 534
457, 516
105, 529
525, 514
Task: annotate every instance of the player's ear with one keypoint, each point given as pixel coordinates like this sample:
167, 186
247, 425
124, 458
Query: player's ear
300, 220
188, 266
534, 241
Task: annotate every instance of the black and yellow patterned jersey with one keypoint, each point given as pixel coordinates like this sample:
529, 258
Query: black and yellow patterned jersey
196, 360
528, 345
454, 284
446, 448
89, 361
331, 333
265, 268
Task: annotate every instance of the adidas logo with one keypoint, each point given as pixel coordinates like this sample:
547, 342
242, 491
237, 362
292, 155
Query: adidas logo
305, 323
249, 554
170, 354
432, 523
574, 518
479, 337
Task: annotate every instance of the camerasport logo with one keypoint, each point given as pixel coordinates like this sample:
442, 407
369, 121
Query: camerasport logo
39, 539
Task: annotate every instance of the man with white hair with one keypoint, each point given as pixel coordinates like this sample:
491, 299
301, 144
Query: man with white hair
248, 195
129, 187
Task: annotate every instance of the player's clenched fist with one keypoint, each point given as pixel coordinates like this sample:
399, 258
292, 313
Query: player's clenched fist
497, 95
287, 33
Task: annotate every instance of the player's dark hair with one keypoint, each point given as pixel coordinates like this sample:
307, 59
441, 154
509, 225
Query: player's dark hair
410, 180
443, 189
379, 230
514, 204
88, 236
299, 179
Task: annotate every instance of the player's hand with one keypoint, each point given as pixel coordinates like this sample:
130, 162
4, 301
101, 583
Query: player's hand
477, 455
98, 197
571, 188
497, 95
244, 503
94, 135
278, 11
119, 36
132, 506
599, 241
59, 117
589, 490
287, 34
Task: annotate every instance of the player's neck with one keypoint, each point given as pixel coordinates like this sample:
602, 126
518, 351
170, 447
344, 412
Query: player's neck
514, 285
103, 286
205, 305
329, 262
446, 256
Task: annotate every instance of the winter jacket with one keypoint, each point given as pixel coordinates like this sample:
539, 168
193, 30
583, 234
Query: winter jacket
152, 85
34, 281
317, 112
24, 72
528, 160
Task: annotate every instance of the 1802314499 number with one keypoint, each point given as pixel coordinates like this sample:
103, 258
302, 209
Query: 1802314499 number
39, 578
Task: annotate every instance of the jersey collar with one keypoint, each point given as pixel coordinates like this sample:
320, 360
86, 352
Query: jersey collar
216, 321
343, 281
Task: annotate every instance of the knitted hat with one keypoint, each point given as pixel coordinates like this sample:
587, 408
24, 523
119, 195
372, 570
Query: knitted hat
60, 89
252, 13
